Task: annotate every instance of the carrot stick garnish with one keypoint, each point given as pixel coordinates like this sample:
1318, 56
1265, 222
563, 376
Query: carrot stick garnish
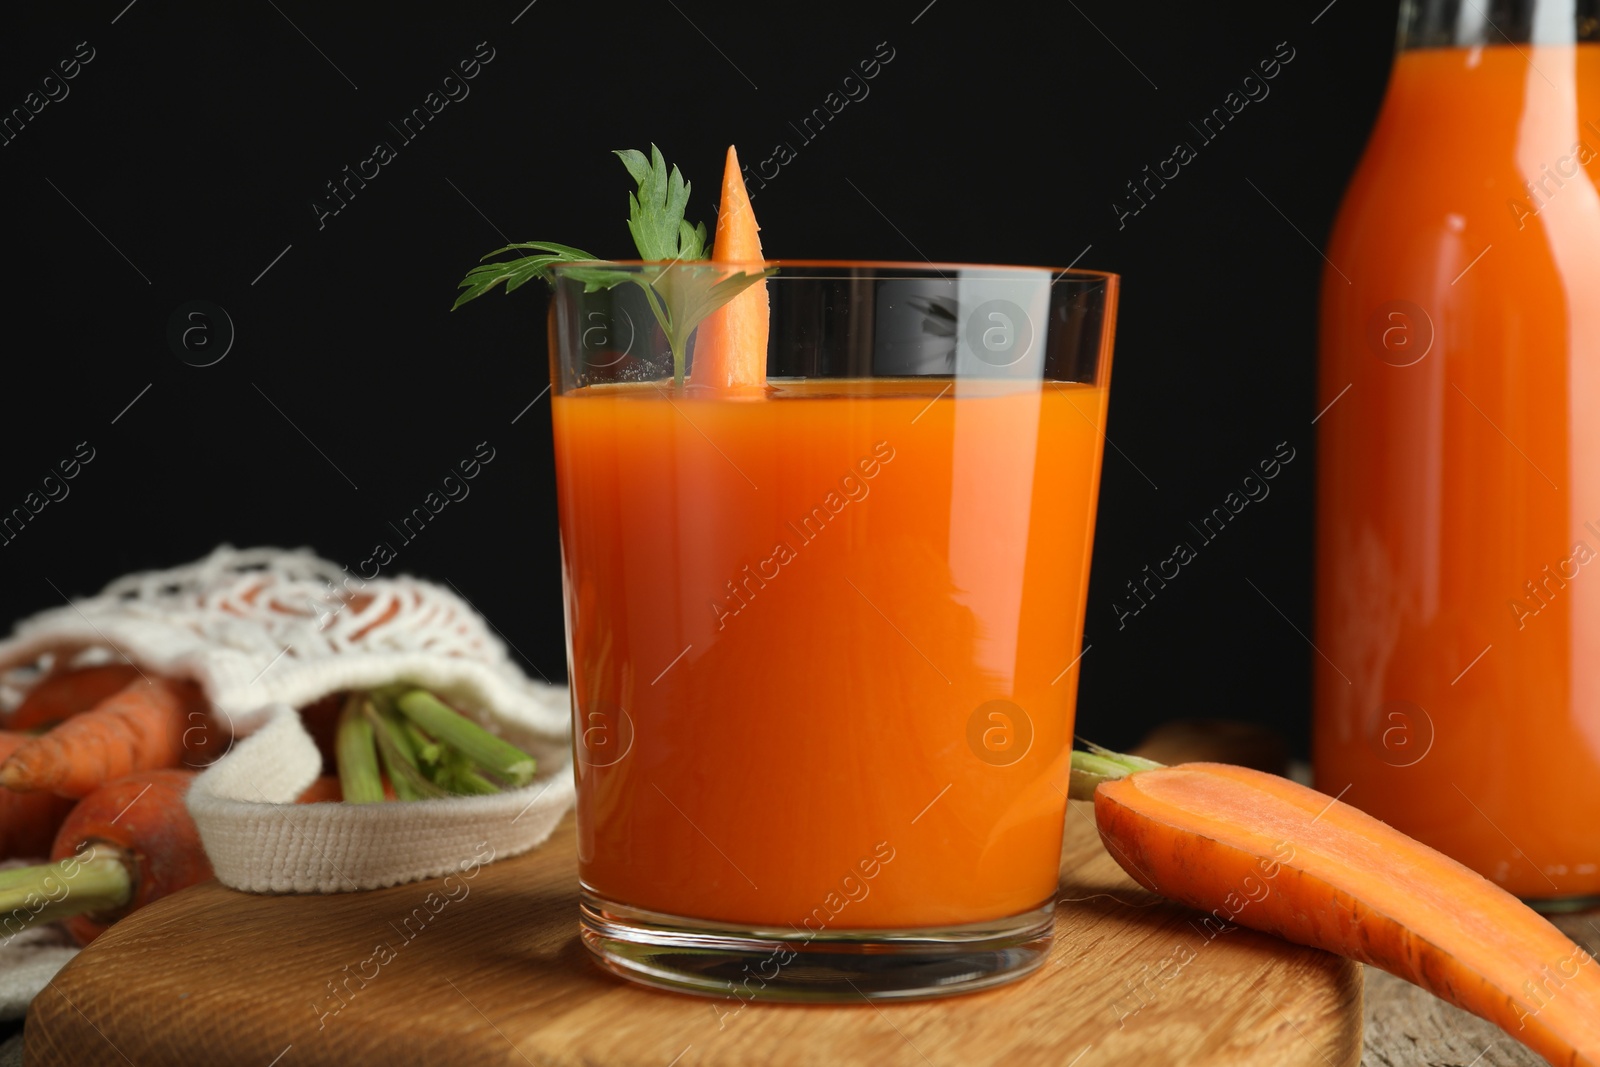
1261, 851
139, 728
730, 350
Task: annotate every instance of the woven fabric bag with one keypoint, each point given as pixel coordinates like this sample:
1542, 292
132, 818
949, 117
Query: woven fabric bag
264, 631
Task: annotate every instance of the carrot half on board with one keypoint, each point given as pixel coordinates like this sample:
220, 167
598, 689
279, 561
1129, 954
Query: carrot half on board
730, 349
1261, 851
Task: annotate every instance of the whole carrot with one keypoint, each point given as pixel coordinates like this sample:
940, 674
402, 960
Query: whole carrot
66, 693
28, 821
139, 728
1258, 850
141, 823
730, 349
126, 844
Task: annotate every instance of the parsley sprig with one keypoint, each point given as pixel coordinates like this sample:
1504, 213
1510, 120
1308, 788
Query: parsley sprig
679, 286
655, 212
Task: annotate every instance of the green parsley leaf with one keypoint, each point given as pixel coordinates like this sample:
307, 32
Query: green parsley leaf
515, 273
655, 212
600, 276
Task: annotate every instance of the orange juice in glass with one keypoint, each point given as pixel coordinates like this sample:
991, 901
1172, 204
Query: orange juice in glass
822, 636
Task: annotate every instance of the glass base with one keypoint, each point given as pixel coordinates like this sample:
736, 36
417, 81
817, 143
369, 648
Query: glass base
758, 963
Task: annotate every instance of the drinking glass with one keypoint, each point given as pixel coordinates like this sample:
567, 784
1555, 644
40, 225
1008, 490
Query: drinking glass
823, 634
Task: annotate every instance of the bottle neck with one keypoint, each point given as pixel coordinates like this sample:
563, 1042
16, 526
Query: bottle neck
1469, 23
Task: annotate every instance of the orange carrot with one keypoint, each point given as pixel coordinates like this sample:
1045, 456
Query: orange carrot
139, 728
323, 789
66, 693
730, 350
28, 821
1260, 851
125, 844
140, 824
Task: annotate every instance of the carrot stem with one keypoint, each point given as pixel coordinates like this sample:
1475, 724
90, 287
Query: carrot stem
427, 749
357, 753
394, 748
460, 775
60, 890
1090, 769
447, 726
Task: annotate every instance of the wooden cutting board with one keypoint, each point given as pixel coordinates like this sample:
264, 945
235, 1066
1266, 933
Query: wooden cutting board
499, 976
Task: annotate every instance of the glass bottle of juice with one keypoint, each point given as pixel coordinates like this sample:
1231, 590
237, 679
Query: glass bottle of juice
1457, 685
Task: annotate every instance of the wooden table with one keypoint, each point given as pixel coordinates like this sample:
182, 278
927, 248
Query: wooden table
1407, 1027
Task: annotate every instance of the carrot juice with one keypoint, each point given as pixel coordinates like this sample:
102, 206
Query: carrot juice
1458, 588
823, 644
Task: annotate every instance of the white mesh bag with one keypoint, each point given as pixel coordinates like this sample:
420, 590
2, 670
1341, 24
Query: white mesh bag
264, 631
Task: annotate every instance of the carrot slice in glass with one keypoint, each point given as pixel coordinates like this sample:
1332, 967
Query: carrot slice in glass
730, 349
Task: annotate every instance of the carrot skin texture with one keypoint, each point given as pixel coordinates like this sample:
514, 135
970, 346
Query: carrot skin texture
325, 788
28, 821
1260, 851
139, 728
730, 349
66, 693
143, 816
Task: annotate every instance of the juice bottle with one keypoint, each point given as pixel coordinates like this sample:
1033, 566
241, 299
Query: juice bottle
1457, 686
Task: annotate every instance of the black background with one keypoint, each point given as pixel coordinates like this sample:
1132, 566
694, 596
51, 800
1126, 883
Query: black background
196, 143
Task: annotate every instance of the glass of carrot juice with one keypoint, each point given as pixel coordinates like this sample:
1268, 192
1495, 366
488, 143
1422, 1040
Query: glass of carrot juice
823, 629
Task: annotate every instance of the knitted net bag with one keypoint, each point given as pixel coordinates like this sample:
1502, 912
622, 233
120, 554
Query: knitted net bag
264, 631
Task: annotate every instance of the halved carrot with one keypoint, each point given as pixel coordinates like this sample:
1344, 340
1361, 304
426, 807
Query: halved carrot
730, 349
66, 693
139, 728
1261, 851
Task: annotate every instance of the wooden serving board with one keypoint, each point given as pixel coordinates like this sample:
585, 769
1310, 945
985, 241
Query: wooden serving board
499, 976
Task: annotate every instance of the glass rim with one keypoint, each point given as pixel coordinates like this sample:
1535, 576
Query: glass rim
924, 267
